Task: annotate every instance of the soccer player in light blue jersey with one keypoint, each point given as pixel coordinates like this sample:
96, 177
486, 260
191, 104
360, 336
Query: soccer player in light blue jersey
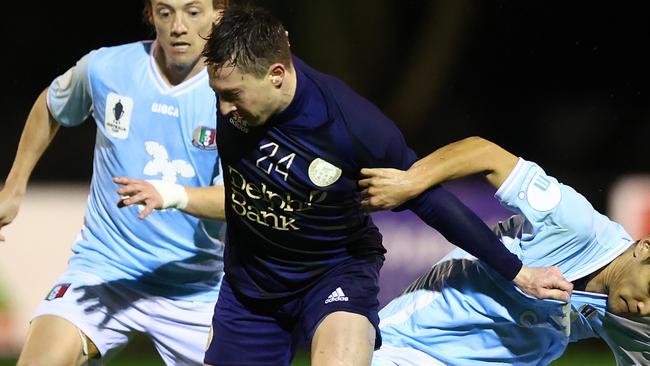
155, 116
461, 313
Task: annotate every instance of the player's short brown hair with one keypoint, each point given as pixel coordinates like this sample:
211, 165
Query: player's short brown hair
249, 38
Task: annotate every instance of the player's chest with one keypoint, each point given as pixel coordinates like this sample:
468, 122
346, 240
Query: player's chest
125, 115
298, 161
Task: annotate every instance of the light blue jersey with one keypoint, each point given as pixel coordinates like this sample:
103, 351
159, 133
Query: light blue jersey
461, 312
628, 337
145, 130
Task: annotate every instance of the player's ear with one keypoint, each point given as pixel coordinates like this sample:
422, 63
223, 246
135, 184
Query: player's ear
642, 249
276, 74
147, 12
217, 16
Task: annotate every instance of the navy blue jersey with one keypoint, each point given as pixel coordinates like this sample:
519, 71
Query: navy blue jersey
292, 199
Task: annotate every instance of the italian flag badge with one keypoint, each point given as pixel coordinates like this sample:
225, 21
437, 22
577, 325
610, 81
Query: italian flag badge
57, 291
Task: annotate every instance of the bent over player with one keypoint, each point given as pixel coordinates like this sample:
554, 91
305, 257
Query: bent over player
462, 313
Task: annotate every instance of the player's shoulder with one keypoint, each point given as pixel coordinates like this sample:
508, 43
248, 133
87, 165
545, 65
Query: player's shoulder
529, 187
547, 202
340, 97
360, 115
123, 53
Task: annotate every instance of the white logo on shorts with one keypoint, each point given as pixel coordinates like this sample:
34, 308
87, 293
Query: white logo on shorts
337, 295
323, 173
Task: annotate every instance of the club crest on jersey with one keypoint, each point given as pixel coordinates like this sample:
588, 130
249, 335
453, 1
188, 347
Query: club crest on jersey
528, 319
117, 116
323, 173
205, 138
57, 291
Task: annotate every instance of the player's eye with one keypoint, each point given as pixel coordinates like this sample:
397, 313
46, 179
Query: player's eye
194, 12
164, 13
230, 96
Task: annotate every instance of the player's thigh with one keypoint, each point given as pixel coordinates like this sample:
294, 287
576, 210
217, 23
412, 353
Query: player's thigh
52, 341
340, 316
245, 334
180, 330
343, 338
99, 309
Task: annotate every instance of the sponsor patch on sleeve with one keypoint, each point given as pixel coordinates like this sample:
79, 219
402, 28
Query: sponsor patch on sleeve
543, 194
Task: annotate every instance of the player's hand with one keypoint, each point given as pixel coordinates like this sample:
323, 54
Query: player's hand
385, 188
9, 205
138, 192
544, 283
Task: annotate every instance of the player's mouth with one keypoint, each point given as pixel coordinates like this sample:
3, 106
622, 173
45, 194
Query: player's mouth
180, 46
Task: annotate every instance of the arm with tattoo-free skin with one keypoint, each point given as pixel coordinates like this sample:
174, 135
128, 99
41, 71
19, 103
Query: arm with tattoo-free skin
386, 188
204, 202
40, 128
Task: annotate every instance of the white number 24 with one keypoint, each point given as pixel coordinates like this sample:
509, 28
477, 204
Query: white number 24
281, 167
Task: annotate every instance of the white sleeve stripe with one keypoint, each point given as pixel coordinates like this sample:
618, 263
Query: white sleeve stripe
508, 184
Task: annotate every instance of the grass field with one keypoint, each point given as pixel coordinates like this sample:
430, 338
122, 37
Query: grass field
592, 353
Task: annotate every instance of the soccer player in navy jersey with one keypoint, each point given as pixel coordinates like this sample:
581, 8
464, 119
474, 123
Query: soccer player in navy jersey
302, 258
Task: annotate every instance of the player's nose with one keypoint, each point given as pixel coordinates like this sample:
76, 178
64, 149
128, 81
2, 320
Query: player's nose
226, 107
178, 26
643, 308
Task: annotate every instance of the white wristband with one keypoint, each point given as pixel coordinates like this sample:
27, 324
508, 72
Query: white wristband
173, 195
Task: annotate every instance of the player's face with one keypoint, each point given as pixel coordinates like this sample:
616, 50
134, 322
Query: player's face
181, 29
253, 99
629, 290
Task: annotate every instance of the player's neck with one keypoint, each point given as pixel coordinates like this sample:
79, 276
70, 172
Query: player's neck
176, 74
600, 280
288, 90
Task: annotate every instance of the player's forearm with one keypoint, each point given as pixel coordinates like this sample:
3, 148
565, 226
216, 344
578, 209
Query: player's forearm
466, 157
463, 228
206, 202
40, 128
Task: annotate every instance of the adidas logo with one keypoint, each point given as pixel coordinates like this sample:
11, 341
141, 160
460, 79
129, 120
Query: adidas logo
337, 295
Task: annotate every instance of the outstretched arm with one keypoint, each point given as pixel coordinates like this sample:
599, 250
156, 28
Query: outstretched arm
40, 128
389, 188
460, 226
386, 188
205, 202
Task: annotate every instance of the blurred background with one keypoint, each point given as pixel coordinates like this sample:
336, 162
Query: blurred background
564, 84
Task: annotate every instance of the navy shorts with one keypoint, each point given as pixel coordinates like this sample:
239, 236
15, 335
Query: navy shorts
266, 332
